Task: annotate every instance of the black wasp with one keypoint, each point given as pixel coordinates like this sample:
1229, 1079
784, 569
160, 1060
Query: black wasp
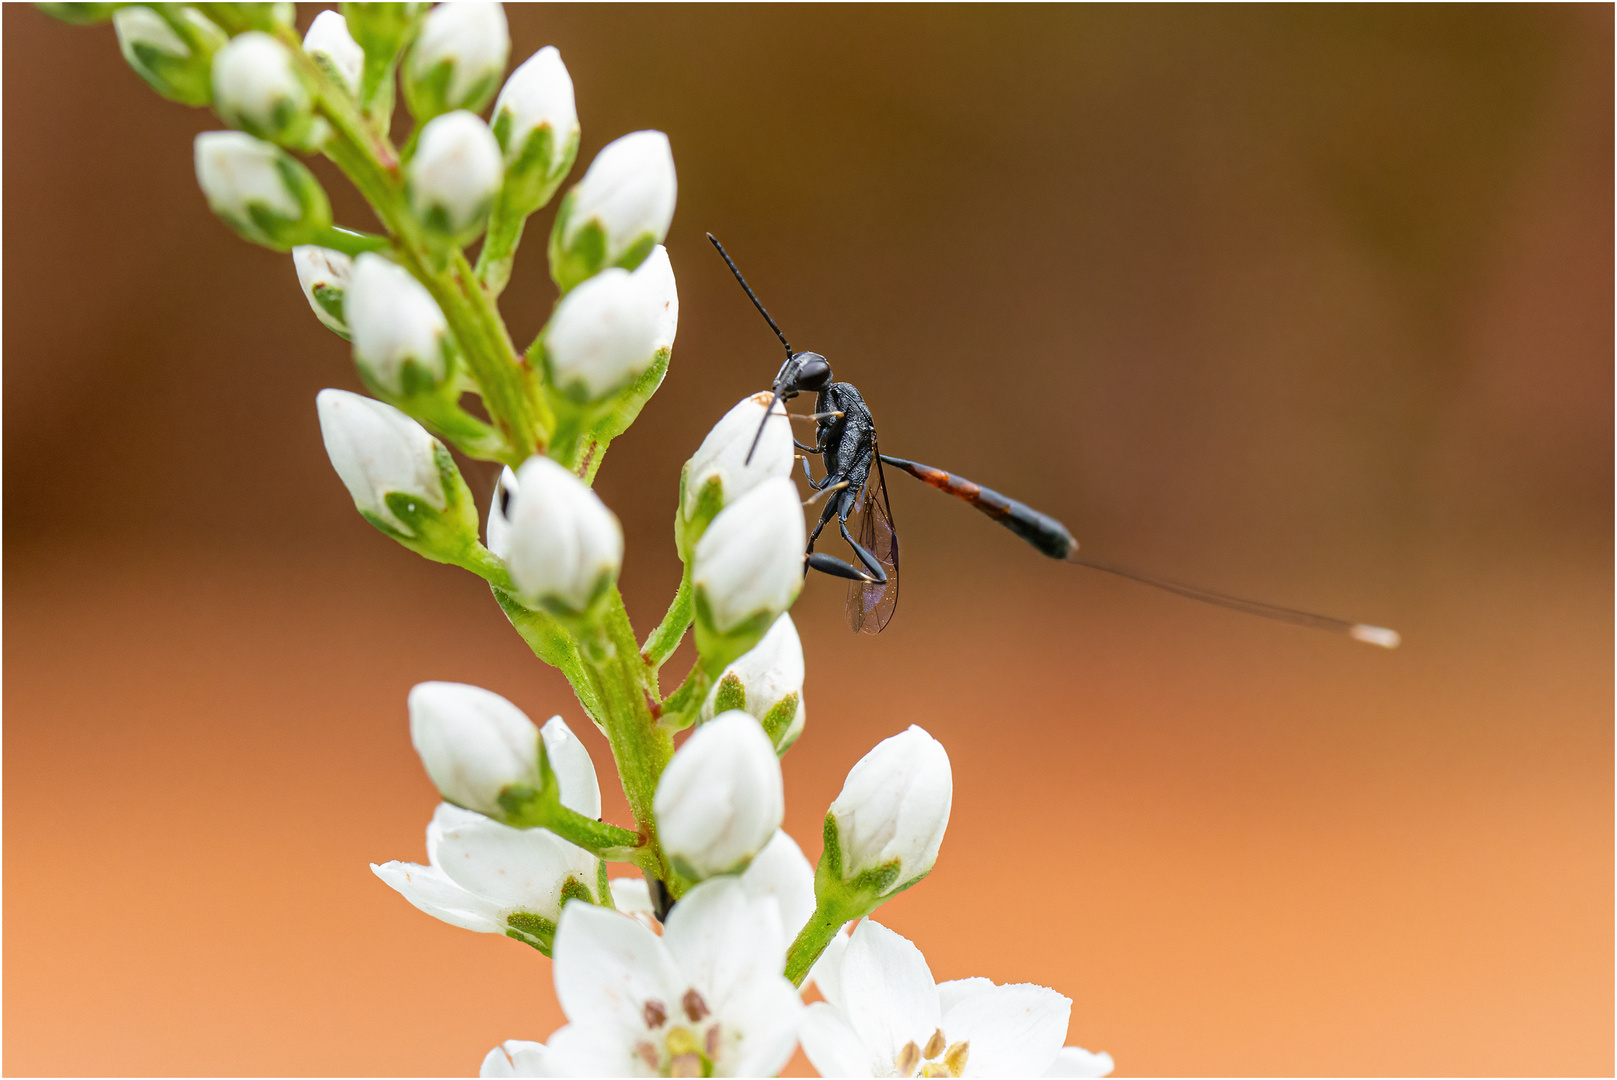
855, 487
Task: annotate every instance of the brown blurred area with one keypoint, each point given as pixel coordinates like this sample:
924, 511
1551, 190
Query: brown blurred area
1309, 303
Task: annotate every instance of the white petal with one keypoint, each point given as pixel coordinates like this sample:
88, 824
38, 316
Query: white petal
725, 942
833, 1048
575, 772
767, 1019
1076, 1061
1013, 1030
607, 967
513, 869
888, 994
955, 991
517, 1057
432, 892
632, 895
588, 1049
781, 871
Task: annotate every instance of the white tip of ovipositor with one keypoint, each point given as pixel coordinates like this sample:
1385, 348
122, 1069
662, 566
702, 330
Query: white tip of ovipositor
1374, 635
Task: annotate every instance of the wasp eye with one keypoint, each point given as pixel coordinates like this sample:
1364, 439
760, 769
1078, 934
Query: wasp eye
813, 373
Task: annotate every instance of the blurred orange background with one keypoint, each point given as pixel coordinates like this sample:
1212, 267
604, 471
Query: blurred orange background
1308, 303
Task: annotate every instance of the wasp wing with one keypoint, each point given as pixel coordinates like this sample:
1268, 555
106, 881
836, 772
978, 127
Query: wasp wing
871, 605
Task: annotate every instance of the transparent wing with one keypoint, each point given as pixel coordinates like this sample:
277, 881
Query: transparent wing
871, 606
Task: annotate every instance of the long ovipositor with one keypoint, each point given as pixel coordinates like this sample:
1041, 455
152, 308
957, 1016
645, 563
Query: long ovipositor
1041, 530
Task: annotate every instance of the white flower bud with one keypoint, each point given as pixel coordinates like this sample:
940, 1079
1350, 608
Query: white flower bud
329, 43
720, 799
377, 450
260, 190
893, 809
401, 340
324, 275
656, 276
538, 97
474, 744
256, 88
621, 208
602, 335
454, 175
767, 682
721, 460
458, 58
565, 546
178, 69
498, 537
749, 563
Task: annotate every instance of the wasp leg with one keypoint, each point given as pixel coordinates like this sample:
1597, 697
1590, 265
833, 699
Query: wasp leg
804, 446
835, 567
878, 575
823, 492
826, 515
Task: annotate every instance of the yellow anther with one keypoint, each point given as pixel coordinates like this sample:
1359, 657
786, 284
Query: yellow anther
934, 1069
908, 1058
934, 1045
686, 1065
955, 1059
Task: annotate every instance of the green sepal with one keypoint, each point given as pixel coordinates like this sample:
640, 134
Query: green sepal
732, 694
448, 535
709, 501
186, 79
531, 179
720, 648
382, 30
330, 298
237, 18
291, 123
778, 720
531, 929
585, 255
80, 14
427, 96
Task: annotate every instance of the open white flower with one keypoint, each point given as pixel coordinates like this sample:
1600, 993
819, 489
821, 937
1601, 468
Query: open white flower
706, 999
488, 877
883, 1015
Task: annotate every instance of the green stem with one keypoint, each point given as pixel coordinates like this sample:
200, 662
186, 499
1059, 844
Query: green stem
370, 162
499, 251
600, 839
671, 631
816, 934
352, 242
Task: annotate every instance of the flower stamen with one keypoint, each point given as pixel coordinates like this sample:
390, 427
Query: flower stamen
907, 1059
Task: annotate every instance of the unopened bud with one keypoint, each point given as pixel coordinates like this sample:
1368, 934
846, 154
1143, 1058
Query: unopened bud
176, 61
453, 178
885, 828
260, 190
766, 682
720, 800
474, 744
457, 60
257, 88
564, 547
330, 45
618, 212
602, 335
719, 472
403, 481
401, 339
536, 123
324, 275
747, 569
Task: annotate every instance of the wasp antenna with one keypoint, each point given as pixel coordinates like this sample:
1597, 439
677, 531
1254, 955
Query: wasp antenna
1370, 635
751, 295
